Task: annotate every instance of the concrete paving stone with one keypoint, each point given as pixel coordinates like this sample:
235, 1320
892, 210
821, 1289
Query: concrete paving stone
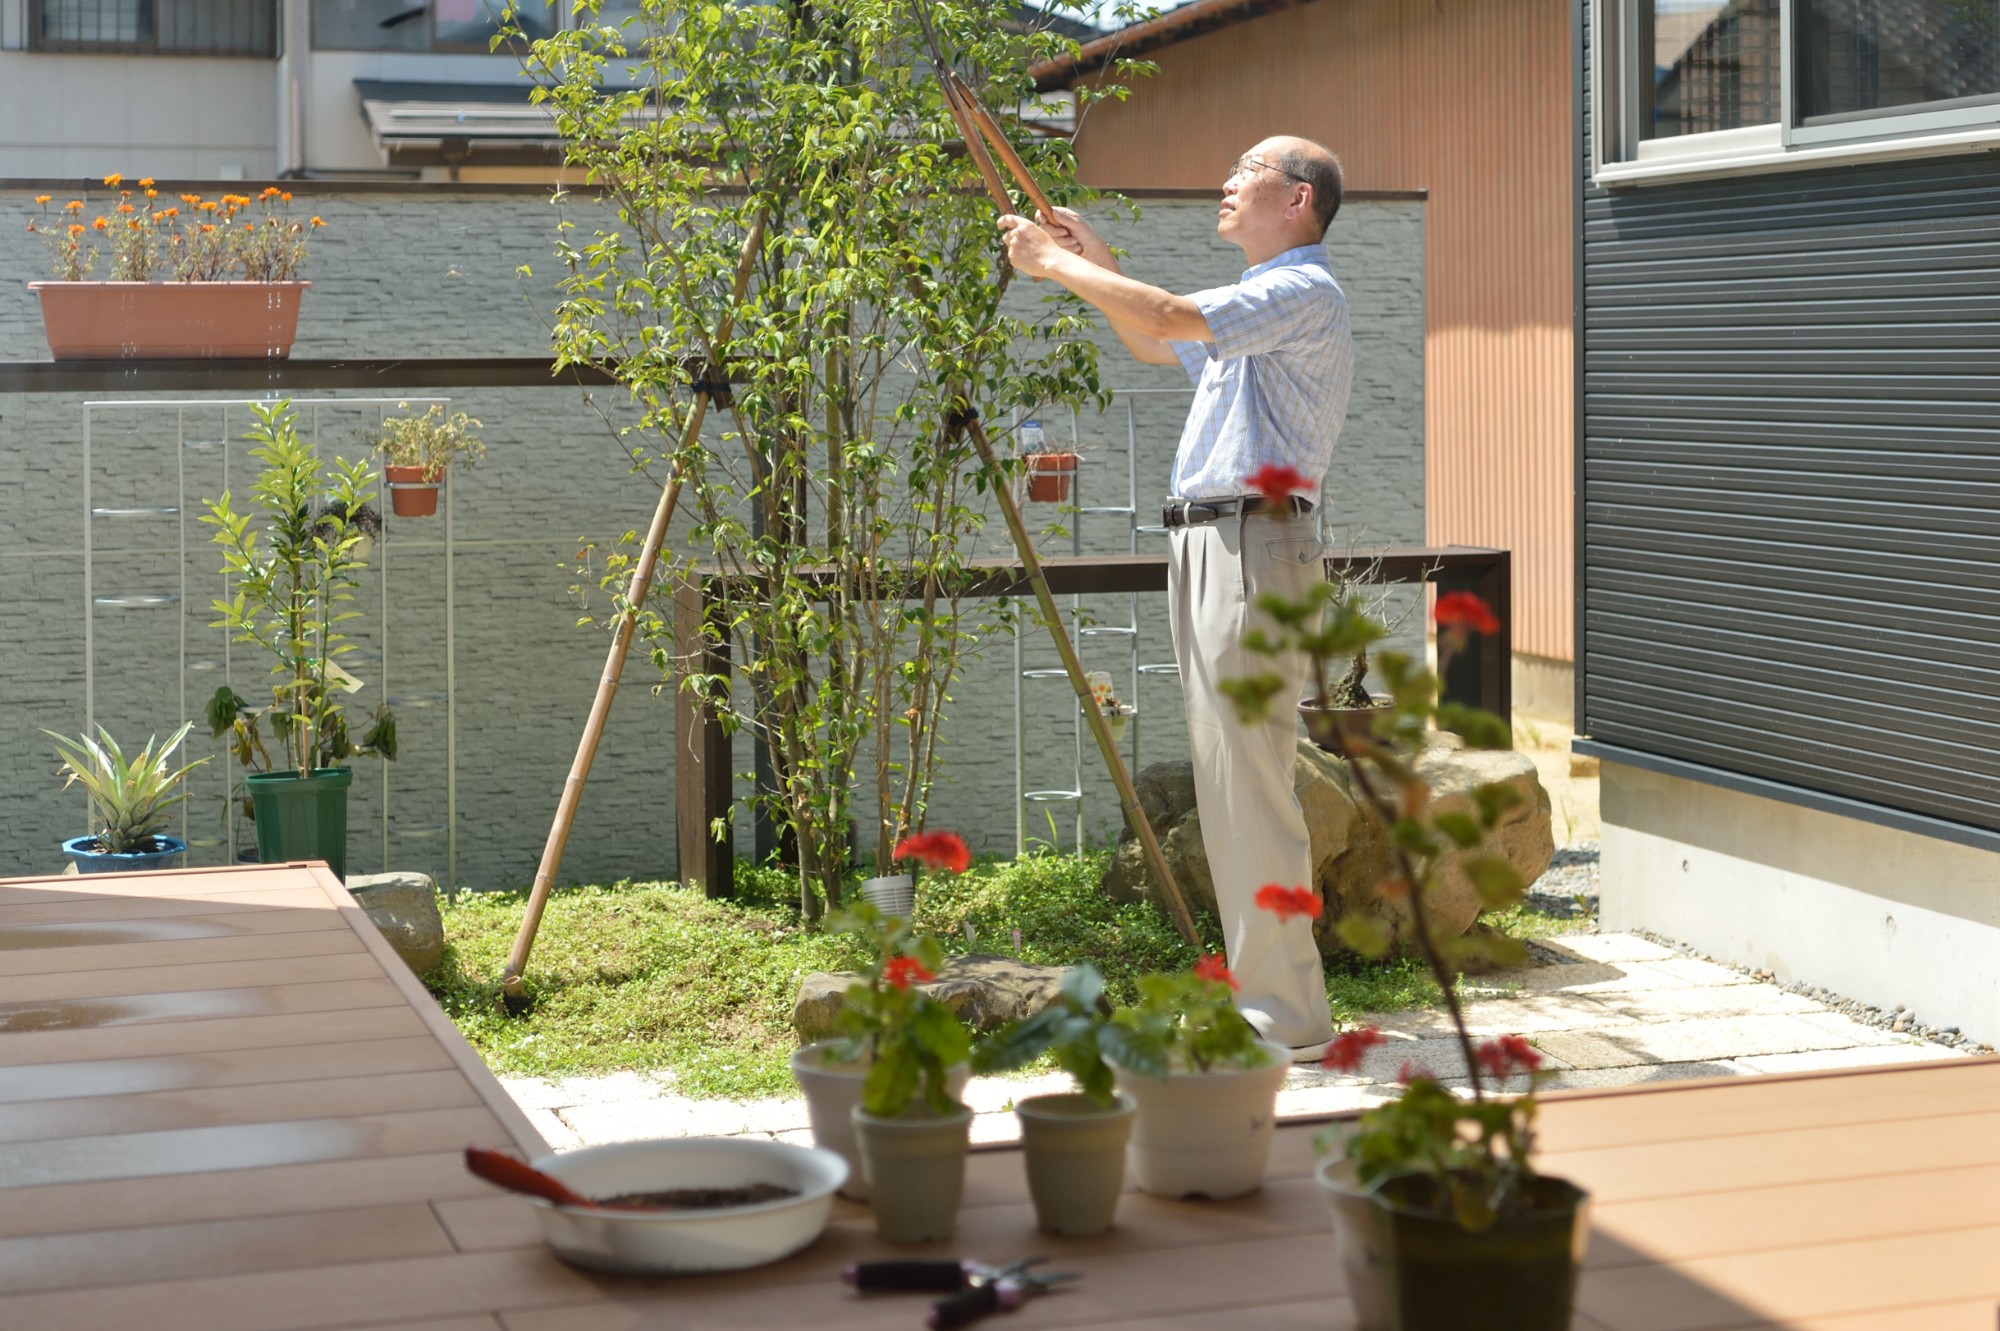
1733, 1000
1597, 1079
992, 1095
1859, 1032
559, 1135
1594, 977
1305, 1101
1688, 1041
1611, 948
535, 1092
1863, 1056
629, 1120
995, 1129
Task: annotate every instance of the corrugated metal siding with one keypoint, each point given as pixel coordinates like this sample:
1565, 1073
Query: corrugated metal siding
1471, 102
1792, 480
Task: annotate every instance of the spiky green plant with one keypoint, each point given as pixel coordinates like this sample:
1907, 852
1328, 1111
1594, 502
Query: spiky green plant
129, 800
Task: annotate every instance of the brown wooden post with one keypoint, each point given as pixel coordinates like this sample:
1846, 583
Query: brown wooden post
1483, 674
702, 752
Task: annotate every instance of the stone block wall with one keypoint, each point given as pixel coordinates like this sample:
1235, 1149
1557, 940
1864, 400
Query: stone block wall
433, 274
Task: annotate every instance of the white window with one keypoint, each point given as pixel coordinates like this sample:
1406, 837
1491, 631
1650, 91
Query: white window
155, 27
1714, 87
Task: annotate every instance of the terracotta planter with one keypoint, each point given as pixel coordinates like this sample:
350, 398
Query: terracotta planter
1049, 476
1204, 1134
1326, 727
169, 320
413, 492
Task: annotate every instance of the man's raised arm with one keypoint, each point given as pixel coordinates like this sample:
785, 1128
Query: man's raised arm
1145, 317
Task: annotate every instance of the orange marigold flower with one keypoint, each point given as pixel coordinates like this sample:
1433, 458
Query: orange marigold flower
73, 206
1463, 610
901, 972
145, 182
207, 205
124, 207
1287, 902
208, 226
936, 850
100, 224
114, 180
76, 228
285, 197
43, 198
190, 199
317, 222
168, 212
270, 191
1214, 967
152, 194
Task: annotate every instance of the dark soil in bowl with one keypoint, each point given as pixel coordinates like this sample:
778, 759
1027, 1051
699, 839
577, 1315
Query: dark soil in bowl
699, 1199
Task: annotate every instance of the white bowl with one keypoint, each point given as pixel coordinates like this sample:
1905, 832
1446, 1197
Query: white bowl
717, 1239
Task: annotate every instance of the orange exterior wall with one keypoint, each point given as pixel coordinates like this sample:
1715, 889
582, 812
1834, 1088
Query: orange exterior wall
1469, 100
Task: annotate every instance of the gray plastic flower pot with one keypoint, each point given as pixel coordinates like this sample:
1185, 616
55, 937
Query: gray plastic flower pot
1075, 1150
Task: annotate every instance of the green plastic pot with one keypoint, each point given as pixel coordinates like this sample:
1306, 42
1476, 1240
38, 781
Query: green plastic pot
302, 818
1518, 1275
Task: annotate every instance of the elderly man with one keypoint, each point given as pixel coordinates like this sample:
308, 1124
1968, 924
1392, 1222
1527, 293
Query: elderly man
1272, 360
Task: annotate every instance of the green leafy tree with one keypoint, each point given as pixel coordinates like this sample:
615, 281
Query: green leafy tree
834, 489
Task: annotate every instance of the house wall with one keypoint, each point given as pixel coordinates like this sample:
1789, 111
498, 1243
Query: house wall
1788, 483
1469, 102
420, 272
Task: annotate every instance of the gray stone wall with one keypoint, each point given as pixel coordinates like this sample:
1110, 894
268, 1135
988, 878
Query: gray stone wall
435, 274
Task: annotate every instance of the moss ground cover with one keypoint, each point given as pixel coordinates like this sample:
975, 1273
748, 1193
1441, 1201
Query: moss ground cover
651, 976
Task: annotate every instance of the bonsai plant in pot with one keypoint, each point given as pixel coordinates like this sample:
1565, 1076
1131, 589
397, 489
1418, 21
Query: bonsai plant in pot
834, 1073
130, 801
293, 578
418, 450
1464, 1231
1074, 1144
910, 1131
1206, 1086
198, 278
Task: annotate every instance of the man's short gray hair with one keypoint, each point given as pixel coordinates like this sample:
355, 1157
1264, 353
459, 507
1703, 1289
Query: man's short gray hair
1320, 169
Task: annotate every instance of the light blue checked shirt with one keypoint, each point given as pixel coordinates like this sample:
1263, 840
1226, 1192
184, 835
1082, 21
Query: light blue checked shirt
1273, 385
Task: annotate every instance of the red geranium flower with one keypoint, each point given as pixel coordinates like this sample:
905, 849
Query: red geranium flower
901, 972
936, 850
1463, 610
1508, 1055
1277, 482
1214, 967
1410, 1072
1287, 902
1347, 1049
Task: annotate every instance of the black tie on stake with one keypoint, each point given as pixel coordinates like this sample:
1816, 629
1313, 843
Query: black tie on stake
979, 129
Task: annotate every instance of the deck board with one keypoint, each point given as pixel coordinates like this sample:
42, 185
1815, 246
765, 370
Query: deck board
225, 1105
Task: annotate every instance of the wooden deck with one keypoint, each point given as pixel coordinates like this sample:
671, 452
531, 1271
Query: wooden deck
226, 1106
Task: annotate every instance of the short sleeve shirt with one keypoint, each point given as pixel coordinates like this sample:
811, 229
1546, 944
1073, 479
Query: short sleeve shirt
1273, 385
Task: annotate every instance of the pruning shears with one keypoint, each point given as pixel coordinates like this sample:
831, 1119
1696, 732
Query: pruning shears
981, 133
972, 1289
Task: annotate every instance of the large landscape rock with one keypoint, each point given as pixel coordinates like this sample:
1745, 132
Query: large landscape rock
404, 907
1350, 857
983, 990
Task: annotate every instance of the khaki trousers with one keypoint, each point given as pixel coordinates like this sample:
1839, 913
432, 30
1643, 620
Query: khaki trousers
1251, 823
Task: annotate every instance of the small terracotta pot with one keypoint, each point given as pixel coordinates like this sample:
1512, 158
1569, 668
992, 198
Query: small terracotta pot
169, 320
1049, 475
413, 492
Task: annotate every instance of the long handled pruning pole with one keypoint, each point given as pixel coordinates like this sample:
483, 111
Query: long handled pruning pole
979, 129
513, 993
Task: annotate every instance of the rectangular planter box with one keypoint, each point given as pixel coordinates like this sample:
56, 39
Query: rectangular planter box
169, 320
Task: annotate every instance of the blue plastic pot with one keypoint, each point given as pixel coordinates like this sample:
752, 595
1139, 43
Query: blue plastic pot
83, 853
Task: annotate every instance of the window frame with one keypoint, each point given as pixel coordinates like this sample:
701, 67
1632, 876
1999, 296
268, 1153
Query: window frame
432, 45
36, 41
1922, 131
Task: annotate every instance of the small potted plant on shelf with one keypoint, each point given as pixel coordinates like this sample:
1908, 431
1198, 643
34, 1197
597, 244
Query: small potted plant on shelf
130, 801
193, 278
833, 1074
1050, 469
911, 1132
1074, 1143
1464, 1231
418, 450
1116, 714
1205, 1084
292, 579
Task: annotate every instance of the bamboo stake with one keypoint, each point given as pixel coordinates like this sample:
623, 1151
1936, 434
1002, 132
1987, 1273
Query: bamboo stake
1128, 795
513, 991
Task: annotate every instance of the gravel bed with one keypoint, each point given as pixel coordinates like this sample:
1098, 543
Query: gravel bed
1568, 887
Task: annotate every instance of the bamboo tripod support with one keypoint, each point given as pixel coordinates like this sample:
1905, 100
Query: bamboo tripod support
513, 991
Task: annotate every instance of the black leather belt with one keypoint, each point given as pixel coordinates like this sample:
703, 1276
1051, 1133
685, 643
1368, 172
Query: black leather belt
1187, 513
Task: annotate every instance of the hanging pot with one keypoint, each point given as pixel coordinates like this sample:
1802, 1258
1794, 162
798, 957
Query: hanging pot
169, 320
413, 491
894, 895
302, 818
1075, 1151
1326, 727
1049, 475
832, 1091
916, 1171
1518, 1275
1204, 1134
84, 854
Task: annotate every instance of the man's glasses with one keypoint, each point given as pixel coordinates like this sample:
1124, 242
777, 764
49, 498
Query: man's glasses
1246, 164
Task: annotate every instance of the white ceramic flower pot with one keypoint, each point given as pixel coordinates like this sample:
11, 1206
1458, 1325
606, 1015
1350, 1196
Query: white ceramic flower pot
1204, 1134
895, 895
916, 1171
1356, 1243
1075, 1150
832, 1091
